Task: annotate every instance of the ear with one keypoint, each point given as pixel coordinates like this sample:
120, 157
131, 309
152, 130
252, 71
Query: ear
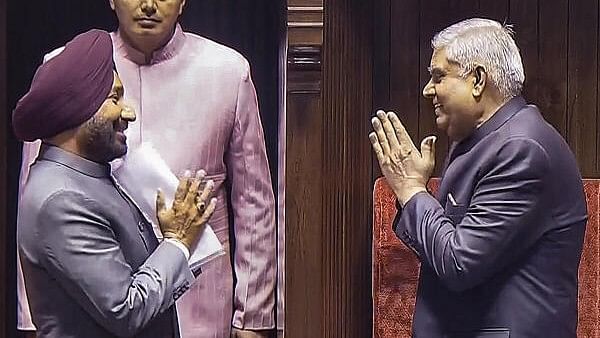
479, 81
112, 4
180, 6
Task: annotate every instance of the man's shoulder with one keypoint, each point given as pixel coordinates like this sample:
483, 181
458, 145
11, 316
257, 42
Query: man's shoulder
48, 179
214, 51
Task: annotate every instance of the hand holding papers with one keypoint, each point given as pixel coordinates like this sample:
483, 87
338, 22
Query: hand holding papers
141, 173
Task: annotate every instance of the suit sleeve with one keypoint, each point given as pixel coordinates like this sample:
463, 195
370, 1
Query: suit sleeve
253, 207
24, 321
81, 252
500, 223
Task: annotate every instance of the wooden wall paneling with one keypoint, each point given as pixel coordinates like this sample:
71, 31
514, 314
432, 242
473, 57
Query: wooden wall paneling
304, 222
405, 84
382, 58
433, 18
552, 63
524, 16
347, 105
305, 24
583, 84
4, 306
497, 10
304, 3
304, 227
462, 9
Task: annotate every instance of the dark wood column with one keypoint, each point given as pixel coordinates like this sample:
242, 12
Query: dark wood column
347, 169
3, 141
304, 180
328, 169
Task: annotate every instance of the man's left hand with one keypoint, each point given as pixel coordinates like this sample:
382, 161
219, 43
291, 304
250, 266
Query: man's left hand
240, 333
406, 169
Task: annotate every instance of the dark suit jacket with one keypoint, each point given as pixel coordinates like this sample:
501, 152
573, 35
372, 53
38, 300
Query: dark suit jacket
503, 259
92, 265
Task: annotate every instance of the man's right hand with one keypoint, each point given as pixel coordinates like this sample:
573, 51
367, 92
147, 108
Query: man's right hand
188, 215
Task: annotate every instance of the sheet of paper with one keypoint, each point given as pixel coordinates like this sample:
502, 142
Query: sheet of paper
141, 173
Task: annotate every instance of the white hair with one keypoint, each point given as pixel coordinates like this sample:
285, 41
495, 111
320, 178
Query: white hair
486, 43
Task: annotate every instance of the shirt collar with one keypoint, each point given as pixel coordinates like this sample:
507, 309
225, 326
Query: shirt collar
502, 115
90, 168
168, 51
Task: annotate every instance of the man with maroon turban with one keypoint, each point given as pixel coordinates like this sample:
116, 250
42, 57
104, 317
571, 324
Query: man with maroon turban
198, 108
92, 264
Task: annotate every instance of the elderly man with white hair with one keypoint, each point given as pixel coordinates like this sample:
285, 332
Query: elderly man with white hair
500, 244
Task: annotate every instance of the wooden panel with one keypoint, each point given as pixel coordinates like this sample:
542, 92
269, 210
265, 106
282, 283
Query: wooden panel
382, 57
305, 24
497, 10
404, 75
347, 106
304, 226
305, 2
305, 36
583, 84
523, 14
4, 305
462, 9
553, 55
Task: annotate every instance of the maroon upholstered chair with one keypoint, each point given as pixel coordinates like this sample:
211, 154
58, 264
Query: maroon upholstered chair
396, 269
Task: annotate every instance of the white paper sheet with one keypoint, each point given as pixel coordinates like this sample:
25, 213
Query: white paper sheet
141, 173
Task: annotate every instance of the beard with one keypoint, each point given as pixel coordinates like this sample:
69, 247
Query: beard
99, 141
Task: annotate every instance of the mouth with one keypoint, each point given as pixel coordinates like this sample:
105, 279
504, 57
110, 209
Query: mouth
120, 127
147, 21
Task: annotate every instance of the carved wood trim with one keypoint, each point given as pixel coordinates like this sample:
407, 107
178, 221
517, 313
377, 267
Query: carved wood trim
305, 23
304, 57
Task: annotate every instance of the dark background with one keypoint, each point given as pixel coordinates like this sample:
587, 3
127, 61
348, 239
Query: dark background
33, 28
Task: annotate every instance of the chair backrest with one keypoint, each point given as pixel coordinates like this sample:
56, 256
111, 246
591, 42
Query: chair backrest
396, 269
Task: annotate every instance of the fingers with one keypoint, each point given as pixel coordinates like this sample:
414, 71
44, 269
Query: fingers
205, 216
377, 148
428, 148
381, 137
203, 196
388, 128
401, 134
182, 188
192, 192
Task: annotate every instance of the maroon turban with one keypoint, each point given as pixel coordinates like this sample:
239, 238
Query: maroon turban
68, 89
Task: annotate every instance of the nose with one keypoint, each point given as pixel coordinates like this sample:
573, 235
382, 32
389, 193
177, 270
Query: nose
429, 90
128, 114
148, 7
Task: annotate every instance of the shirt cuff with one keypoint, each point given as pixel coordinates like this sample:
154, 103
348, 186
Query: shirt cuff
181, 246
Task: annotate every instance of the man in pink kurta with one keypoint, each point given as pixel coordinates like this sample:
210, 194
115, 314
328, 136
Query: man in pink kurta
193, 94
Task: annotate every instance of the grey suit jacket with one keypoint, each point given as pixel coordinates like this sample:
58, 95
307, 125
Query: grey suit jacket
503, 259
92, 265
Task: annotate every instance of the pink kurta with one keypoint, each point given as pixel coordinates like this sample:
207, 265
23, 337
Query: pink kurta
196, 103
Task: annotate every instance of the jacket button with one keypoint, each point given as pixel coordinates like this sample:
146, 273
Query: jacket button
141, 226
